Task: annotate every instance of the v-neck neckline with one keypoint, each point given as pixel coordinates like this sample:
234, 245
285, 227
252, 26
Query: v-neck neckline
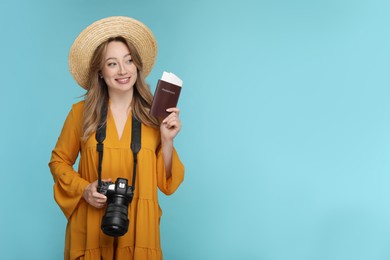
125, 127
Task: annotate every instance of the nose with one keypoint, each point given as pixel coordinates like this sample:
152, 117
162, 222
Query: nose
121, 69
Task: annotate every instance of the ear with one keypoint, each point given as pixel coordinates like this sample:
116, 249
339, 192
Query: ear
100, 74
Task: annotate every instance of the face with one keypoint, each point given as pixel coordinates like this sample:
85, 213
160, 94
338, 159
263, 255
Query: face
119, 71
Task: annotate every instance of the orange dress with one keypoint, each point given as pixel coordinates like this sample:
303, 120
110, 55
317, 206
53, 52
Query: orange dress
84, 238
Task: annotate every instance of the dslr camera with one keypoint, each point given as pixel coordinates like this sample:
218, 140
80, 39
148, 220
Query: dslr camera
119, 195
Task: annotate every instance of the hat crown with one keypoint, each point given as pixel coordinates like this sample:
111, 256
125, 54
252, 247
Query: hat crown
84, 46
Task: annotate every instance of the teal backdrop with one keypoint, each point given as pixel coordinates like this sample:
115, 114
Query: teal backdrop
286, 129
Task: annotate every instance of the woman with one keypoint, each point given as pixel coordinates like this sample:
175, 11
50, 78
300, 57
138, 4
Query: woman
110, 59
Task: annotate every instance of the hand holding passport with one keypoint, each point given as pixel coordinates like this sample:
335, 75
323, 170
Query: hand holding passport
166, 95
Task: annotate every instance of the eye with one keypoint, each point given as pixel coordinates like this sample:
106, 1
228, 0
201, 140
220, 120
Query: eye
129, 61
111, 64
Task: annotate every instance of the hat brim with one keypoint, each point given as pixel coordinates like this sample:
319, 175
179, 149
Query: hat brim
135, 32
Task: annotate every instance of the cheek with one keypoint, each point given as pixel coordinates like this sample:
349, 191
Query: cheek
134, 71
106, 72
133, 68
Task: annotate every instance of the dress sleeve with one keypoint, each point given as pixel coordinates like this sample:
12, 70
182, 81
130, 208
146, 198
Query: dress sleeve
170, 185
68, 185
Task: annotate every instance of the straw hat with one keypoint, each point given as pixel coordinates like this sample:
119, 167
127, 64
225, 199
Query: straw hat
91, 37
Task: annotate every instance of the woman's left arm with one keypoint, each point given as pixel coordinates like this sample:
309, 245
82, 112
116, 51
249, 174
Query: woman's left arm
169, 128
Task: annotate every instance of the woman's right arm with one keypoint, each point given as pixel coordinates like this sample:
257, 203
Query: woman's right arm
69, 186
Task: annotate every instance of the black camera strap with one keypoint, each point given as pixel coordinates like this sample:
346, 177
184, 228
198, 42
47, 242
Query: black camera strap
101, 136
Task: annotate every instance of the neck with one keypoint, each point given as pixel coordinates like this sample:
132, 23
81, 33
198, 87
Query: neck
121, 101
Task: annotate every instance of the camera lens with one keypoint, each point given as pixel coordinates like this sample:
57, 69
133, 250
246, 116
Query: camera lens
115, 222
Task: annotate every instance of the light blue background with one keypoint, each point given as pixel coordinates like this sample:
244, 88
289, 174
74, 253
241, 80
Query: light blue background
286, 129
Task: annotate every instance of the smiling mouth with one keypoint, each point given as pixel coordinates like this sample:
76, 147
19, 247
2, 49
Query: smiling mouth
123, 81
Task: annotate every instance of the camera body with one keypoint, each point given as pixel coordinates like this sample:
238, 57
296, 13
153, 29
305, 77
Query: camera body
119, 195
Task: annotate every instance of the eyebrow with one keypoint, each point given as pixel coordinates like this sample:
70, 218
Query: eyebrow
112, 58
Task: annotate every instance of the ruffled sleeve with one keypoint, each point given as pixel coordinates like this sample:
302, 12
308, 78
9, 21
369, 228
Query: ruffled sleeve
170, 185
68, 185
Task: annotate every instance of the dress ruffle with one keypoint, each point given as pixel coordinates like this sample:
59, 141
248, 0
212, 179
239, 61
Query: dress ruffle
107, 253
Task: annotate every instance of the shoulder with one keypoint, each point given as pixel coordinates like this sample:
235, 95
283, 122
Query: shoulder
77, 111
78, 107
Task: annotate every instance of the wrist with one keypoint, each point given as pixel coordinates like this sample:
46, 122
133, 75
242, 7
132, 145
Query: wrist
166, 142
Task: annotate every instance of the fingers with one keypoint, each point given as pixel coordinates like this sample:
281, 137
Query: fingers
98, 197
172, 120
172, 123
173, 110
99, 200
93, 197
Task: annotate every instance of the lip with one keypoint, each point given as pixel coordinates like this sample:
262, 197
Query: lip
123, 80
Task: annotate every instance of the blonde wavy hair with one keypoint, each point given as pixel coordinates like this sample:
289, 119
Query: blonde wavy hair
97, 93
